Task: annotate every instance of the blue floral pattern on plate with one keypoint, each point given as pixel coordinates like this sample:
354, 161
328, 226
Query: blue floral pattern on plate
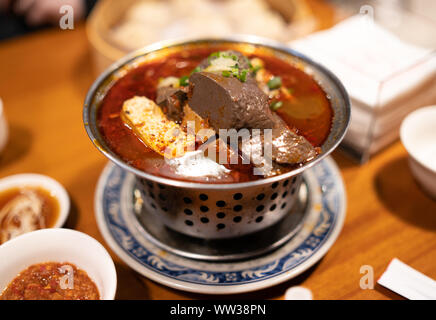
324, 219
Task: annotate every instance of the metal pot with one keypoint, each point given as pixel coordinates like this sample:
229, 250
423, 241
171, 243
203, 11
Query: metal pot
213, 211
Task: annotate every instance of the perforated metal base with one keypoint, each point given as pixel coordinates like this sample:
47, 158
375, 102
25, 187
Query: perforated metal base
220, 213
241, 248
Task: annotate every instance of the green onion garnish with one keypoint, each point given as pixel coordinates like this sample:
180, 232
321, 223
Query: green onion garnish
243, 75
197, 69
223, 55
183, 81
214, 54
255, 69
275, 105
226, 73
274, 83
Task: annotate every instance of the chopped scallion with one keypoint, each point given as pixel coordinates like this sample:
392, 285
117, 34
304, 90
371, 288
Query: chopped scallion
214, 54
243, 75
274, 83
275, 105
197, 69
184, 81
226, 73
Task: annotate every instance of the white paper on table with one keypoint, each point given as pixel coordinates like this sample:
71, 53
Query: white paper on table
408, 282
375, 66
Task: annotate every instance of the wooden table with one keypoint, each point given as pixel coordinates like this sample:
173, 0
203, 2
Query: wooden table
43, 82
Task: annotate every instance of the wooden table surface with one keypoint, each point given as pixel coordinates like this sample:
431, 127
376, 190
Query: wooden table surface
43, 82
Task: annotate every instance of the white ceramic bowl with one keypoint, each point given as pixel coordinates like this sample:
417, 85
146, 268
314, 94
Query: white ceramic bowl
418, 134
59, 245
47, 183
4, 130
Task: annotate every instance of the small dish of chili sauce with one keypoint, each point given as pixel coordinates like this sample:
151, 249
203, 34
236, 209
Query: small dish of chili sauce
51, 281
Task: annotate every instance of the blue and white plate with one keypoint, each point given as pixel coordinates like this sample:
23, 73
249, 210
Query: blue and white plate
120, 228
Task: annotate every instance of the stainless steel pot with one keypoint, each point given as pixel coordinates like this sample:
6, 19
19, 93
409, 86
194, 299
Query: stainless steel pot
214, 211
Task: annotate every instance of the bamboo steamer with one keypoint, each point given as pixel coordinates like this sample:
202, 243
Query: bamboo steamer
103, 17
108, 13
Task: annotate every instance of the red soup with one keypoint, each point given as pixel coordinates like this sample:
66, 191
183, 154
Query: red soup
303, 105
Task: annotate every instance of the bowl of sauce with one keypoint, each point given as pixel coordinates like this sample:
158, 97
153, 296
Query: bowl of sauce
30, 202
50, 264
51, 281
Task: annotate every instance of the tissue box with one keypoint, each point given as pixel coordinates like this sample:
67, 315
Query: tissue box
386, 76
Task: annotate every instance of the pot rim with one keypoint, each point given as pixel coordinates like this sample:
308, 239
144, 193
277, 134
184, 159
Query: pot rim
244, 39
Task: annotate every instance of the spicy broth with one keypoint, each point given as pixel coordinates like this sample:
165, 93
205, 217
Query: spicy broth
309, 112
